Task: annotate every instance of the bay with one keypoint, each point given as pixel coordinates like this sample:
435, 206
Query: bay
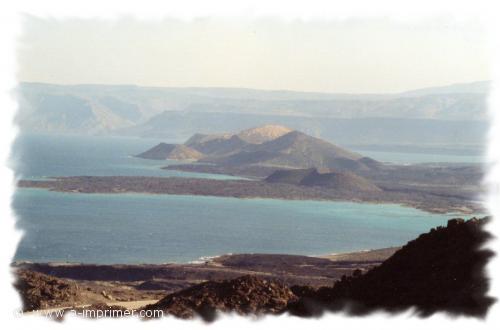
145, 228
39, 156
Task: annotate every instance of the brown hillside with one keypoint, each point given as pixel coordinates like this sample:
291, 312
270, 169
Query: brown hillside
295, 150
171, 151
258, 135
338, 180
217, 147
345, 181
40, 291
442, 270
244, 295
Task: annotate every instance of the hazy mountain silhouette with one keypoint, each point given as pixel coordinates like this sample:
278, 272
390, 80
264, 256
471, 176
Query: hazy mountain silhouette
179, 112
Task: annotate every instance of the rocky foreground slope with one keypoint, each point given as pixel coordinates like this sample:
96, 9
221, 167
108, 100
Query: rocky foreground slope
56, 285
41, 291
442, 270
244, 295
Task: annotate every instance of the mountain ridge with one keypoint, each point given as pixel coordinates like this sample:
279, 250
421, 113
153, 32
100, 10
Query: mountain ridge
164, 151
294, 150
261, 134
133, 110
274, 146
477, 86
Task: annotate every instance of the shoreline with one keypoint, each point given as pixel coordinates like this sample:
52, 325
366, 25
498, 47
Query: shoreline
357, 201
247, 189
88, 284
206, 259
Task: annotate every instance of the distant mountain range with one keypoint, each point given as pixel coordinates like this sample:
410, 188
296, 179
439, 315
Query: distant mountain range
437, 114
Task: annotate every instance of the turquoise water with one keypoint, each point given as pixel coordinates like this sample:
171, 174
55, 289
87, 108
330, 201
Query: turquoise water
141, 228
37, 156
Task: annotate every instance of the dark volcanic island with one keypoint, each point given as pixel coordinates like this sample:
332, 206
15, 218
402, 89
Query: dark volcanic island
286, 164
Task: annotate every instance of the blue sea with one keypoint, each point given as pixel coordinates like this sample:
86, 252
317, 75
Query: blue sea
144, 228
38, 156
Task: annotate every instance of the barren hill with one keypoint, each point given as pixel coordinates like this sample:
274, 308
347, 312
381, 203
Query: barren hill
295, 150
39, 291
224, 144
202, 138
244, 295
264, 133
440, 270
217, 145
171, 151
339, 180
265, 146
289, 176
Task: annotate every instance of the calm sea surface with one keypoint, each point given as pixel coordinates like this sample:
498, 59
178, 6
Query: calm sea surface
40, 156
142, 228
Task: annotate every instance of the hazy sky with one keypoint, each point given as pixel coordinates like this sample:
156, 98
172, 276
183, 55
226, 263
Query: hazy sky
326, 56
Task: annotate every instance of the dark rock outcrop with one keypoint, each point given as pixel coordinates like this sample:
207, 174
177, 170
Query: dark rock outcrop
40, 291
442, 270
244, 295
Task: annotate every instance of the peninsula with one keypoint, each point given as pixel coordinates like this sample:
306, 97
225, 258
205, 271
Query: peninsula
428, 201
287, 164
